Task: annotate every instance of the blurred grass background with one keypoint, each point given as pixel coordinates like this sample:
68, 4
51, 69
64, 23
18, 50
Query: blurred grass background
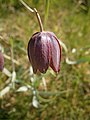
70, 21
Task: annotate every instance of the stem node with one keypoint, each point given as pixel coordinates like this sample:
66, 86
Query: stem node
36, 12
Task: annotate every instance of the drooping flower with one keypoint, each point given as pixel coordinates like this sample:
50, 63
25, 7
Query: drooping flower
44, 50
1, 61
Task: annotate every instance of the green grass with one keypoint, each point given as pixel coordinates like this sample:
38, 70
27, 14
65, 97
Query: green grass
68, 93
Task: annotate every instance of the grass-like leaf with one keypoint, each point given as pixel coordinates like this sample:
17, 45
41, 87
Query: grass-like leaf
46, 11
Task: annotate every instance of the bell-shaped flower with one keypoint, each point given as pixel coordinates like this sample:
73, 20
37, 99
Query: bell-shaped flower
1, 61
44, 50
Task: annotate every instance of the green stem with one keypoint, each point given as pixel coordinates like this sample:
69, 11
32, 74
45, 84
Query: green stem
39, 20
36, 12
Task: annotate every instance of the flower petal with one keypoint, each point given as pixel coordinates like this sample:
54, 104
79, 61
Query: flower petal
55, 53
42, 52
31, 51
1, 61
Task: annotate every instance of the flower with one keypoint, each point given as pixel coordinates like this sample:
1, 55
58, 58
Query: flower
1, 61
44, 50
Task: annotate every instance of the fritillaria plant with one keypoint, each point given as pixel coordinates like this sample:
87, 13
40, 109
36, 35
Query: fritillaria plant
43, 49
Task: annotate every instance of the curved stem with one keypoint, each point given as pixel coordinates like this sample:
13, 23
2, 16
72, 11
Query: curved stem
36, 12
39, 19
31, 10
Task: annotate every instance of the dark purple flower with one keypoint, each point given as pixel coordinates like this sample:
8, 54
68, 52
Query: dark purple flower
44, 50
1, 61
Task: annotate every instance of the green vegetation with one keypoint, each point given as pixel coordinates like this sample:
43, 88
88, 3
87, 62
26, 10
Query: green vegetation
68, 93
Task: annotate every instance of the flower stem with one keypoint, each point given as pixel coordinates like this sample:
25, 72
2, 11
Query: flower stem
39, 20
31, 10
36, 12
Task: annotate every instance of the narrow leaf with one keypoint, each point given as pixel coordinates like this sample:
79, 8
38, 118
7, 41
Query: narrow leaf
83, 59
35, 102
46, 11
5, 90
22, 89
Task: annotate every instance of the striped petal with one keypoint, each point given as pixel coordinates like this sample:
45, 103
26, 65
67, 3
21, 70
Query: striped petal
42, 52
55, 53
31, 51
1, 61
